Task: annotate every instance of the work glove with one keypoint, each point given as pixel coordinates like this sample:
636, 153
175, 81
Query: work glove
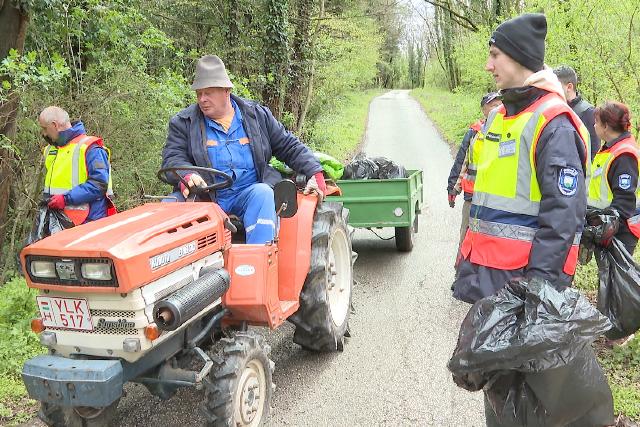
317, 185
452, 193
56, 202
193, 180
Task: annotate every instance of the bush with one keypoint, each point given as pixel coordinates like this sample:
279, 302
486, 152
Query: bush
17, 344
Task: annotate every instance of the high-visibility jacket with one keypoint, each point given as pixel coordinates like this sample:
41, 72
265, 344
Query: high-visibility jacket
66, 168
506, 200
469, 176
600, 194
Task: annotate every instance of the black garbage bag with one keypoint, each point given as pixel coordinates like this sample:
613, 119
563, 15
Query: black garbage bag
388, 169
528, 347
47, 222
619, 292
361, 167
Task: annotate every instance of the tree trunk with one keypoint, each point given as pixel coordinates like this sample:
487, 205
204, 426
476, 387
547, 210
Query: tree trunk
13, 22
300, 61
276, 48
312, 71
232, 33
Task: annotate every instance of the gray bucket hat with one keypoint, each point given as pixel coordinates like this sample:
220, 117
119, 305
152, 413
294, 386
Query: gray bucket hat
210, 72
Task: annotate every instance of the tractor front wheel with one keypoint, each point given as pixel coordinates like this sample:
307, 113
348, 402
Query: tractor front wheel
239, 387
325, 301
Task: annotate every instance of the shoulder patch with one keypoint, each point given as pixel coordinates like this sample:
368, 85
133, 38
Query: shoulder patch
624, 181
568, 181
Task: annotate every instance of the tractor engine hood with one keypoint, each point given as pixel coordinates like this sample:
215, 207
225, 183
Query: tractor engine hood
141, 245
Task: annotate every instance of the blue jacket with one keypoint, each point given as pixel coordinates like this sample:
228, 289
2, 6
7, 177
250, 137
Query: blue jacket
95, 189
230, 152
454, 174
186, 142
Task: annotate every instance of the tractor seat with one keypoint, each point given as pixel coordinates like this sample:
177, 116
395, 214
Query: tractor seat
239, 236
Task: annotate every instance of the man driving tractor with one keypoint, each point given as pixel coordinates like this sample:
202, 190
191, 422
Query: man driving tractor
237, 137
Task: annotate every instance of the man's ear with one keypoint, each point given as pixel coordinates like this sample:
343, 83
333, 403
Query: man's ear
570, 86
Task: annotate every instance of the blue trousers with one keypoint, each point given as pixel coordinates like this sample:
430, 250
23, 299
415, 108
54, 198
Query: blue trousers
255, 206
257, 209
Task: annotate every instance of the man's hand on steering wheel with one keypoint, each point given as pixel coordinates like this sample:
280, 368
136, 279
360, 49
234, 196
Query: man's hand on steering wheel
193, 180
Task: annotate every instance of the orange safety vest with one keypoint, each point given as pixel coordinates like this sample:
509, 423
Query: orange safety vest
469, 176
506, 201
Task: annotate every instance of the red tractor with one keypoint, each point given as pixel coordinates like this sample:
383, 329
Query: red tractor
164, 294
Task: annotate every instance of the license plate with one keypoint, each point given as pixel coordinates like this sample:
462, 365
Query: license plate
67, 313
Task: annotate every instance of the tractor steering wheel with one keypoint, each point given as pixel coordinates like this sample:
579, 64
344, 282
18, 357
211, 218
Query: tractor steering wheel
226, 183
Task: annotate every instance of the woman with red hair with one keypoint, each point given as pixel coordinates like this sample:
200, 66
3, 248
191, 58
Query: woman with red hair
614, 171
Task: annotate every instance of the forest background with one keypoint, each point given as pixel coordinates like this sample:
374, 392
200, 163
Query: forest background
124, 68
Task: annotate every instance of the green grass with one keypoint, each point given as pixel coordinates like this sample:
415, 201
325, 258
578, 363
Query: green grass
452, 113
621, 364
340, 130
17, 344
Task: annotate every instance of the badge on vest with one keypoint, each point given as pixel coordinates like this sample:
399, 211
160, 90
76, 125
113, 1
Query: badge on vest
568, 181
624, 181
597, 172
493, 137
507, 148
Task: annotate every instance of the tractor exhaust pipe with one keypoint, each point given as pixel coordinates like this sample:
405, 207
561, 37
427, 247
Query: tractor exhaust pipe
173, 311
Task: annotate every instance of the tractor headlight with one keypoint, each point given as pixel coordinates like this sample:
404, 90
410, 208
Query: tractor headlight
43, 269
96, 271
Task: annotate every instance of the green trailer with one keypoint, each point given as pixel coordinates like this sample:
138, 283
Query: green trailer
378, 203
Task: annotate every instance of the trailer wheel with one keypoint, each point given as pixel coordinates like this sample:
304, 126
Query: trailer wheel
81, 416
325, 301
404, 235
239, 387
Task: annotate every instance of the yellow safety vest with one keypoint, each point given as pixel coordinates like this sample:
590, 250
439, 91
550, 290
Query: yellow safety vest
66, 168
469, 177
506, 182
600, 194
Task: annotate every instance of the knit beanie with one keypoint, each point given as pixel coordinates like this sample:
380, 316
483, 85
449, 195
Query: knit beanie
522, 38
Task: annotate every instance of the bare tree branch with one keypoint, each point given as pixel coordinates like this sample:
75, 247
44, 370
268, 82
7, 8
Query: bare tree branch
461, 20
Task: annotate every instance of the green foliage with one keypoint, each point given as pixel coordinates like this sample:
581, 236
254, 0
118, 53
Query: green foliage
22, 72
339, 131
597, 38
17, 344
348, 52
452, 113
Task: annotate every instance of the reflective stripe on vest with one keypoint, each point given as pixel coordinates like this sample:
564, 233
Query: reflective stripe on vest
506, 184
66, 168
469, 177
600, 194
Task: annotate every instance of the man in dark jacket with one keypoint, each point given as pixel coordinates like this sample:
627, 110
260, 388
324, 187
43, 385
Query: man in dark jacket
569, 80
238, 137
529, 197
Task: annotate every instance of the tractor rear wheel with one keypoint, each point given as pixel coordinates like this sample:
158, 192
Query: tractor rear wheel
239, 387
325, 301
81, 416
